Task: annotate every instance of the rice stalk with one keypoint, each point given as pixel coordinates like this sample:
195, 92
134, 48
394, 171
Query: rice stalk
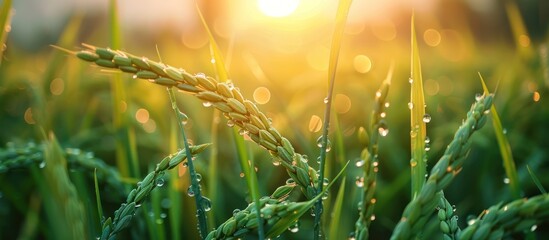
278, 214
418, 211
369, 160
24, 156
123, 216
504, 148
418, 119
223, 96
501, 220
341, 19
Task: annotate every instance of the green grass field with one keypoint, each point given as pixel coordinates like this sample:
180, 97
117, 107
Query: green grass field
438, 126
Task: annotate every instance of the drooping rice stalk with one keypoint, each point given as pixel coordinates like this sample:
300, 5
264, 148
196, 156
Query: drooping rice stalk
223, 96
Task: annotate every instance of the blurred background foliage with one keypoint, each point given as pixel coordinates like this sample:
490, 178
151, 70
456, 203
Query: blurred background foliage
279, 58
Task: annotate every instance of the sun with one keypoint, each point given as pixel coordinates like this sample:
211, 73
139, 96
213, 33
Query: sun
278, 8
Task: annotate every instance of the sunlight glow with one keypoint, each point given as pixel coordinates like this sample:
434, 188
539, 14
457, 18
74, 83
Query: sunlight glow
277, 8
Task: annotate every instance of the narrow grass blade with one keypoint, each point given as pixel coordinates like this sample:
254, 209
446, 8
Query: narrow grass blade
217, 58
246, 163
97, 195
536, 180
418, 130
126, 152
5, 19
213, 174
341, 19
65, 201
200, 201
284, 223
518, 28
504, 148
175, 189
335, 232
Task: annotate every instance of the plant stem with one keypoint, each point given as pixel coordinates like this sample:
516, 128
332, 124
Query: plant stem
201, 212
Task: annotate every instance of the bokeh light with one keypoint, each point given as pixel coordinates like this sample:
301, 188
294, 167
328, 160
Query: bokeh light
57, 86
431, 37
142, 115
262, 95
277, 8
342, 103
315, 124
362, 63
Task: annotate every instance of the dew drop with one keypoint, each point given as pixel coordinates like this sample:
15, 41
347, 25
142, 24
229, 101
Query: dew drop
427, 139
294, 228
413, 163
410, 80
373, 217
134, 76
471, 222
328, 145
236, 211
533, 228
413, 133
230, 123
359, 182
387, 104
383, 129
426, 118
478, 96
325, 182
351, 236
410, 105
487, 111
207, 104
304, 159
198, 177
42, 164
504, 131
378, 94
324, 196
359, 163
242, 132
160, 182
427, 147
383, 114
200, 75
163, 215
206, 204
241, 175
290, 182
325, 100
190, 191
276, 162
506, 180
184, 118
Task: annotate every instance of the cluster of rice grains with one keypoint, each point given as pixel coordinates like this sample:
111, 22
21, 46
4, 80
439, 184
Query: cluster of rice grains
493, 223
